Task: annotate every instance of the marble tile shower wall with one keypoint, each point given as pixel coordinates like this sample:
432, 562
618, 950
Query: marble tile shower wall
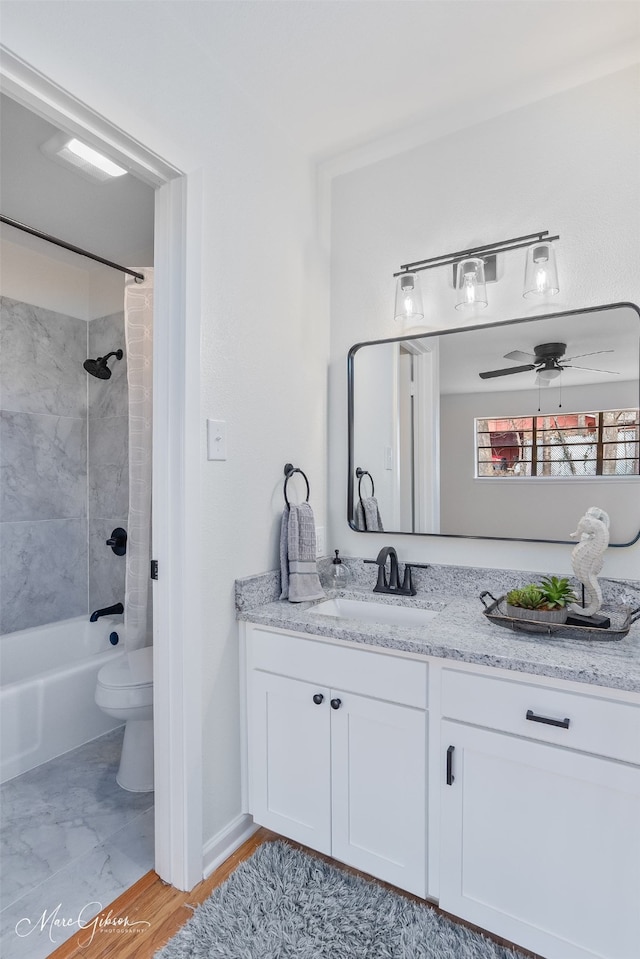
49, 485
108, 462
43, 466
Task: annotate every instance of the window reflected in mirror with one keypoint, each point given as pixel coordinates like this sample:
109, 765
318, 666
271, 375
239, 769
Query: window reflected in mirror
603, 443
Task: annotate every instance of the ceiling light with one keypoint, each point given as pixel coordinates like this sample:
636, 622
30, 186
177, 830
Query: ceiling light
89, 155
87, 161
550, 373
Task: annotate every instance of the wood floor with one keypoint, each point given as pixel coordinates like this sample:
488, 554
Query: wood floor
161, 910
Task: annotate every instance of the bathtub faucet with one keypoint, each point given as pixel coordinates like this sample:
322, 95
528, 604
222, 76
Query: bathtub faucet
107, 611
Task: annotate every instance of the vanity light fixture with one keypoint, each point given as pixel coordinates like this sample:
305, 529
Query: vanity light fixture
541, 274
473, 269
471, 290
409, 306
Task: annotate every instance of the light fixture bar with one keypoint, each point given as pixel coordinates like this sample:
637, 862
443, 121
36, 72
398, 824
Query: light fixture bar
502, 246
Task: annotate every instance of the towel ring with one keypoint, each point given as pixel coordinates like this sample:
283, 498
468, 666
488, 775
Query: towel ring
289, 470
361, 474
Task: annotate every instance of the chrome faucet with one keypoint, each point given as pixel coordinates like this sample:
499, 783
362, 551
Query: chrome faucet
392, 585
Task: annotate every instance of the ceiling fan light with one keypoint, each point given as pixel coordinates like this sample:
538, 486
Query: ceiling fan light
408, 308
471, 290
549, 374
541, 272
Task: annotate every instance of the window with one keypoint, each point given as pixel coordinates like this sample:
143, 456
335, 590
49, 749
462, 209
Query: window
604, 443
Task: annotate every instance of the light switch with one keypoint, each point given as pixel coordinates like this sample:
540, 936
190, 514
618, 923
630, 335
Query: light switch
216, 440
388, 458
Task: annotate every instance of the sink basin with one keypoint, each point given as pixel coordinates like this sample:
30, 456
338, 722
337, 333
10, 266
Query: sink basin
383, 614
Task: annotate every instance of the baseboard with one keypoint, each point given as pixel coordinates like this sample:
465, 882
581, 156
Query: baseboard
225, 842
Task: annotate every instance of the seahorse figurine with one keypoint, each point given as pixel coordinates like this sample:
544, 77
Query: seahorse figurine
587, 558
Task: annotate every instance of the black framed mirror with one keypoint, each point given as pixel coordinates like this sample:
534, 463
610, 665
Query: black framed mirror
507, 431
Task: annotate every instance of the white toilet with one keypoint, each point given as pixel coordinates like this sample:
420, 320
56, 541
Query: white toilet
125, 691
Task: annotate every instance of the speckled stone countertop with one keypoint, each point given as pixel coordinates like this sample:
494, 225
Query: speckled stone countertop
460, 631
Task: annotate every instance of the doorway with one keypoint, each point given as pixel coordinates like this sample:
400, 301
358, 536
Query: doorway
177, 713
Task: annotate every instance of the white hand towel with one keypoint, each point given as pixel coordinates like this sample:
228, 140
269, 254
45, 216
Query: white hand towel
298, 567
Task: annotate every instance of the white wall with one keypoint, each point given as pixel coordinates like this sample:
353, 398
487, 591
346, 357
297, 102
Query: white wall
261, 304
55, 283
570, 164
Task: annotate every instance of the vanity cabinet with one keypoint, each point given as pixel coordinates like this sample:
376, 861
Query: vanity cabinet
540, 837
531, 785
337, 752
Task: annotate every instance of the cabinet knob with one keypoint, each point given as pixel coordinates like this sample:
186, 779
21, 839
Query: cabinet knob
336, 703
318, 698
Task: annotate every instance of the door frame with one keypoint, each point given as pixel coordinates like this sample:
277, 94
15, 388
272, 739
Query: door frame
176, 467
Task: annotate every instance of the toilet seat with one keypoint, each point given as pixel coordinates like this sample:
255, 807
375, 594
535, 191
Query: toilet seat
127, 682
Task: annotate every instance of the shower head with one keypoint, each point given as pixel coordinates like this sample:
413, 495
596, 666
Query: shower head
99, 367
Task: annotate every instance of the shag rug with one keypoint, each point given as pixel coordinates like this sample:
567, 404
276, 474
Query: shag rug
285, 904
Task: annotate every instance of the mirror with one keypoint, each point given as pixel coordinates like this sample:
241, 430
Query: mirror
509, 430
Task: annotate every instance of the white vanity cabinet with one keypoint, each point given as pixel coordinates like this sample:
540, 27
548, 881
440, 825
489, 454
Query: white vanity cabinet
525, 789
540, 815
337, 752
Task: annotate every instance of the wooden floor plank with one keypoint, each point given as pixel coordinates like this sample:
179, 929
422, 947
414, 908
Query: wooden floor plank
167, 909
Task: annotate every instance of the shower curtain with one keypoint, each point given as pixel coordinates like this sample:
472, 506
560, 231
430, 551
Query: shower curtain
138, 324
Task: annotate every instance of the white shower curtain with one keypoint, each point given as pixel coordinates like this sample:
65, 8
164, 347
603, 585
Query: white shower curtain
138, 325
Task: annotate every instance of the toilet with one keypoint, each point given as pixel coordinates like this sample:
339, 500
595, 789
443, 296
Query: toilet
125, 691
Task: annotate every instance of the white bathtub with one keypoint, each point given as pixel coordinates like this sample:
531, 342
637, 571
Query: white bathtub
48, 681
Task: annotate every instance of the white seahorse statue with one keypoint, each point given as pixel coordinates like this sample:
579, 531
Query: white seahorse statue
588, 556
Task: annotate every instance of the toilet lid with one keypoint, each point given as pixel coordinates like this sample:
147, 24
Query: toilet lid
129, 670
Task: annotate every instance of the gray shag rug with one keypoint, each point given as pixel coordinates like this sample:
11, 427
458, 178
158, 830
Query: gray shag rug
285, 904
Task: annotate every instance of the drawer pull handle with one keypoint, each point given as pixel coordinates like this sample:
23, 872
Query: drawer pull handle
318, 698
450, 776
564, 723
336, 703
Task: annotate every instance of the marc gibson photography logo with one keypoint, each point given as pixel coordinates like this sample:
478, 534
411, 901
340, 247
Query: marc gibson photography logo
58, 927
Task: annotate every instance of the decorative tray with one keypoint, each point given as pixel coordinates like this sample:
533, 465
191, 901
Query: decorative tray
621, 619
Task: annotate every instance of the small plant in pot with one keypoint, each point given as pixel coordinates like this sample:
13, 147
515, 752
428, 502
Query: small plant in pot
544, 602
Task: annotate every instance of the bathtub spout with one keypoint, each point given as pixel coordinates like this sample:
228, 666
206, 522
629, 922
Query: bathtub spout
107, 611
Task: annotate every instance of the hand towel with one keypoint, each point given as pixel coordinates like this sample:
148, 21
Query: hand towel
368, 515
298, 568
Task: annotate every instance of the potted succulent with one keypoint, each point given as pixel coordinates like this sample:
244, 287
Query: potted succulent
543, 602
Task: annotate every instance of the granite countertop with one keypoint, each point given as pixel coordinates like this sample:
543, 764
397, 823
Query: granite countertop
461, 632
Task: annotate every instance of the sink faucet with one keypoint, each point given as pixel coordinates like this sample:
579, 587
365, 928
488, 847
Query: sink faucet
392, 585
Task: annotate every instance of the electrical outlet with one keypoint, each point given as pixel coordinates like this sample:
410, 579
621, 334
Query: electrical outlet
321, 544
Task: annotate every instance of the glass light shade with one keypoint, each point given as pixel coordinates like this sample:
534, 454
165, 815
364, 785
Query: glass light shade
549, 374
471, 290
541, 273
409, 307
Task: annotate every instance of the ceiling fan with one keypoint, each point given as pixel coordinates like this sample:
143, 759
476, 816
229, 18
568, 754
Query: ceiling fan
548, 360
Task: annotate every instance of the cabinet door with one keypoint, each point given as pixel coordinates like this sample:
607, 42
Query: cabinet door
289, 756
541, 845
378, 768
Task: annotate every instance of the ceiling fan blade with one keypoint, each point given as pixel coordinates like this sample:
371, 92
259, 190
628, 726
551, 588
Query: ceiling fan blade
591, 369
519, 355
580, 355
506, 372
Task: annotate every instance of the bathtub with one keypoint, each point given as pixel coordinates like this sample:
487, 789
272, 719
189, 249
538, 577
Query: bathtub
48, 680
